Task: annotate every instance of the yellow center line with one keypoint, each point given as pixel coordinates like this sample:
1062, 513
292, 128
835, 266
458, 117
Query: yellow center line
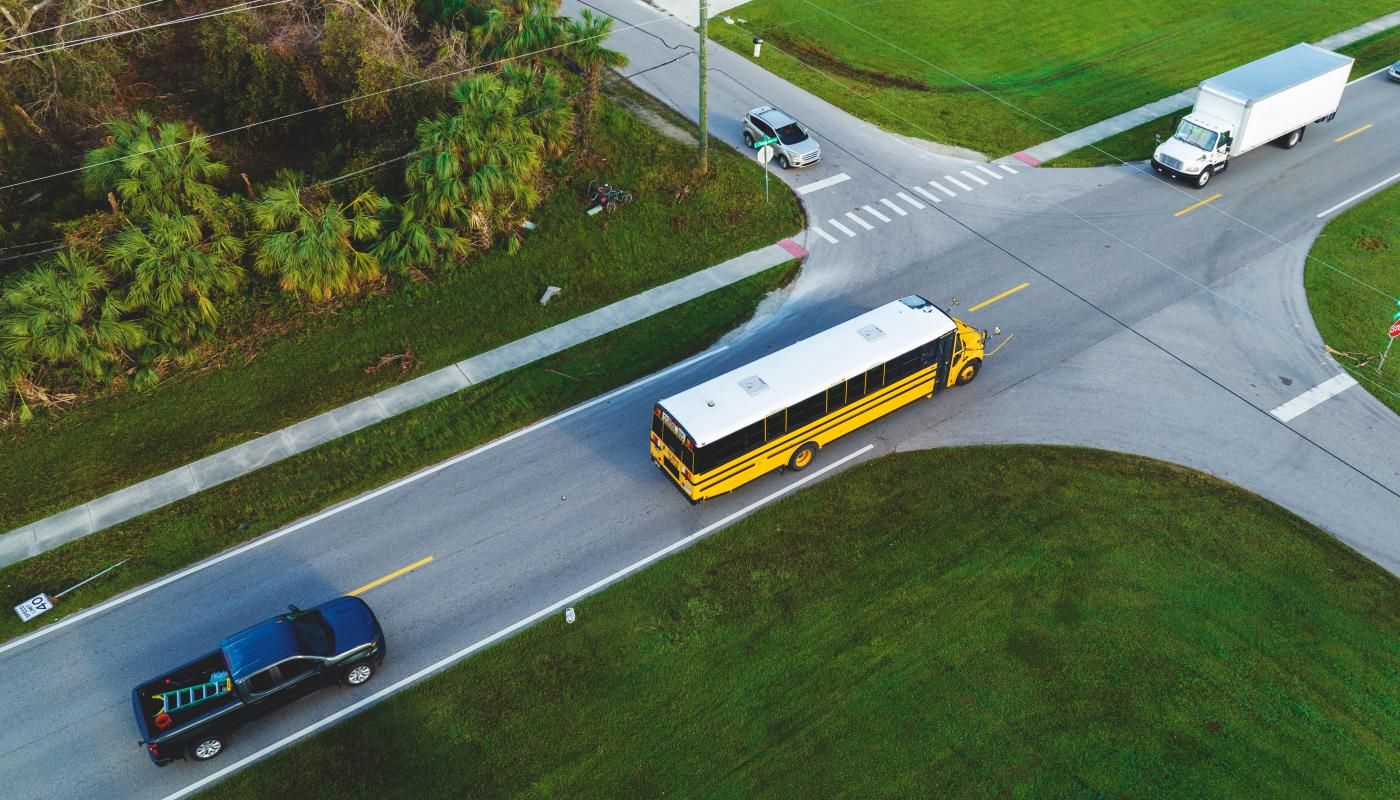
1007, 293
390, 577
1367, 126
1198, 205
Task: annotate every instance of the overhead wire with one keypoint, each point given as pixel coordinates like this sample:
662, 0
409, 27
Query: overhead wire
27, 34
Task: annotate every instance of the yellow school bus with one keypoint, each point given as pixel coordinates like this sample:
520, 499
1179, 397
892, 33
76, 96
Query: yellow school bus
780, 410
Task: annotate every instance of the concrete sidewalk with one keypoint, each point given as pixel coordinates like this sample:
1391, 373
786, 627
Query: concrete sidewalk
1131, 119
179, 483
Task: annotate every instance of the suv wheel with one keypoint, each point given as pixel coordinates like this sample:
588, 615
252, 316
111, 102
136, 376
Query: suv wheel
359, 674
782, 161
748, 139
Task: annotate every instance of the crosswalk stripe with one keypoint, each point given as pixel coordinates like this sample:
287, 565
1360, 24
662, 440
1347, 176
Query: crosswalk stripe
926, 193
823, 234
957, 183
944, 189
877, 215
911, 201
838, 226
1009, 168
894, 207
859, 221
974, 177
983, 168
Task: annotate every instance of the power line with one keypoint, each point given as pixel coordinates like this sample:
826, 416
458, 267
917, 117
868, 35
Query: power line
80, 21
334, 104
54, 47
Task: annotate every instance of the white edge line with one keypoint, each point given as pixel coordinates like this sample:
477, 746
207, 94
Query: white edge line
507, 631
1358, 195
1369, 74
349, 504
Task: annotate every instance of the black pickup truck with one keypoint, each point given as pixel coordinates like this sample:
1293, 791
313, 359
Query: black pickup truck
191, 711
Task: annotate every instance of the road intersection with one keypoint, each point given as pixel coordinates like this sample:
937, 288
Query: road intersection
1134, 327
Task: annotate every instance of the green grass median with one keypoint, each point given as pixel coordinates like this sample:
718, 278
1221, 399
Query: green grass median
677, 225
974, 622
907, 66
184, 532
1353, 285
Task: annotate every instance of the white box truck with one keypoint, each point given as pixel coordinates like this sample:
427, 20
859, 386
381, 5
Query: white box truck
1269, 100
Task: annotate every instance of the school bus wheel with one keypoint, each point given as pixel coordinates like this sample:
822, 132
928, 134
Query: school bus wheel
803, 457
969, 371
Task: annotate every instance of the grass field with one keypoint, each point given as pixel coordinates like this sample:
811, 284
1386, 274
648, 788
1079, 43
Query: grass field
1137, 144
1051, 622
676, 226
1353, 318
181, 533
907, 65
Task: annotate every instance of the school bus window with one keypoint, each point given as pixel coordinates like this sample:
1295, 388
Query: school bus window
806, 411
875, 379
855, 388
776, 425
902, 366
836, 396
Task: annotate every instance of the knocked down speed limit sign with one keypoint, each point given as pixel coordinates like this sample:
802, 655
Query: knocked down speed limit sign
33, 607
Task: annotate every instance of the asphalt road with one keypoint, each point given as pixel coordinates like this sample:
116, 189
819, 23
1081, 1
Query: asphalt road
1138, 329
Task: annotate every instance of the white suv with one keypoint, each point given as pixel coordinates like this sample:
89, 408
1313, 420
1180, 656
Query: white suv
794, 147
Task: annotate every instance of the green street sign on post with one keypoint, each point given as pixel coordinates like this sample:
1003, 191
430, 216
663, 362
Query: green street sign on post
758, 145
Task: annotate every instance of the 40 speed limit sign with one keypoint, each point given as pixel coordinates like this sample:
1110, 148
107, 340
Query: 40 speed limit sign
33, 607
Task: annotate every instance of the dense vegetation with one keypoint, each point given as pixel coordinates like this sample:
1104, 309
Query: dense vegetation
446, 124
1056, 623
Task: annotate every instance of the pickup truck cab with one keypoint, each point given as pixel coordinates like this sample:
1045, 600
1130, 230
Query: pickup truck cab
191, 711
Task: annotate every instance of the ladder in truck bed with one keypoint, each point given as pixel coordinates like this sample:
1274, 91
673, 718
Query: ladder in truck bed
219, 684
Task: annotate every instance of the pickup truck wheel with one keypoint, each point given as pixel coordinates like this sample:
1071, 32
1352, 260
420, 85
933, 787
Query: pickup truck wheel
359, 674
206, 748
1203, 178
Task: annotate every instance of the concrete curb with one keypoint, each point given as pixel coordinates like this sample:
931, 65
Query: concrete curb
110, 509
1131, 119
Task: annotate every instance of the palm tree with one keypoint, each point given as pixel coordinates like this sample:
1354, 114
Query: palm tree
155, 168
64, 313
518, 27
308, 239
586, 36
543, 103
174, 271
475, 174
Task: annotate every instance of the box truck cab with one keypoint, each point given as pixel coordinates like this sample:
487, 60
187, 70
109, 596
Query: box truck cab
1269, 100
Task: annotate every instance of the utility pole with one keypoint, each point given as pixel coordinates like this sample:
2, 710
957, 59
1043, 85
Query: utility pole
704, 89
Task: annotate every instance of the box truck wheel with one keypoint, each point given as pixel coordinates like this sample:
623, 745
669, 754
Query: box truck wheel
1203, 178
1291, 140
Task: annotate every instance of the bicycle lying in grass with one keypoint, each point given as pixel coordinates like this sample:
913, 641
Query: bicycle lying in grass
603, 195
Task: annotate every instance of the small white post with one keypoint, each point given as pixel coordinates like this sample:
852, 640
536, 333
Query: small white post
549, 294
757, 46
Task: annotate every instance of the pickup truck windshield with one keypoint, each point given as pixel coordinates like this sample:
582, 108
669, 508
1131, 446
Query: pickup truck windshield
314, 636
1195, 135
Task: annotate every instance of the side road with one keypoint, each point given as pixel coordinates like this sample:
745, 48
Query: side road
1128, 120
177, 484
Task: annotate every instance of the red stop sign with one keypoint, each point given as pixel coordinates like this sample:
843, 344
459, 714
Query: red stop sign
1395, 329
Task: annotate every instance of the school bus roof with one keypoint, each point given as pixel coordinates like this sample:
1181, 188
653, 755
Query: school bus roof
741, 397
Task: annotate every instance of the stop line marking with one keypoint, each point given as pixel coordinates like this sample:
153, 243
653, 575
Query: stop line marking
1313, 397
824, 183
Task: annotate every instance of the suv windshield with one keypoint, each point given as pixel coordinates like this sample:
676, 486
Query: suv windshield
791, 133
314, 636
1195, 135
